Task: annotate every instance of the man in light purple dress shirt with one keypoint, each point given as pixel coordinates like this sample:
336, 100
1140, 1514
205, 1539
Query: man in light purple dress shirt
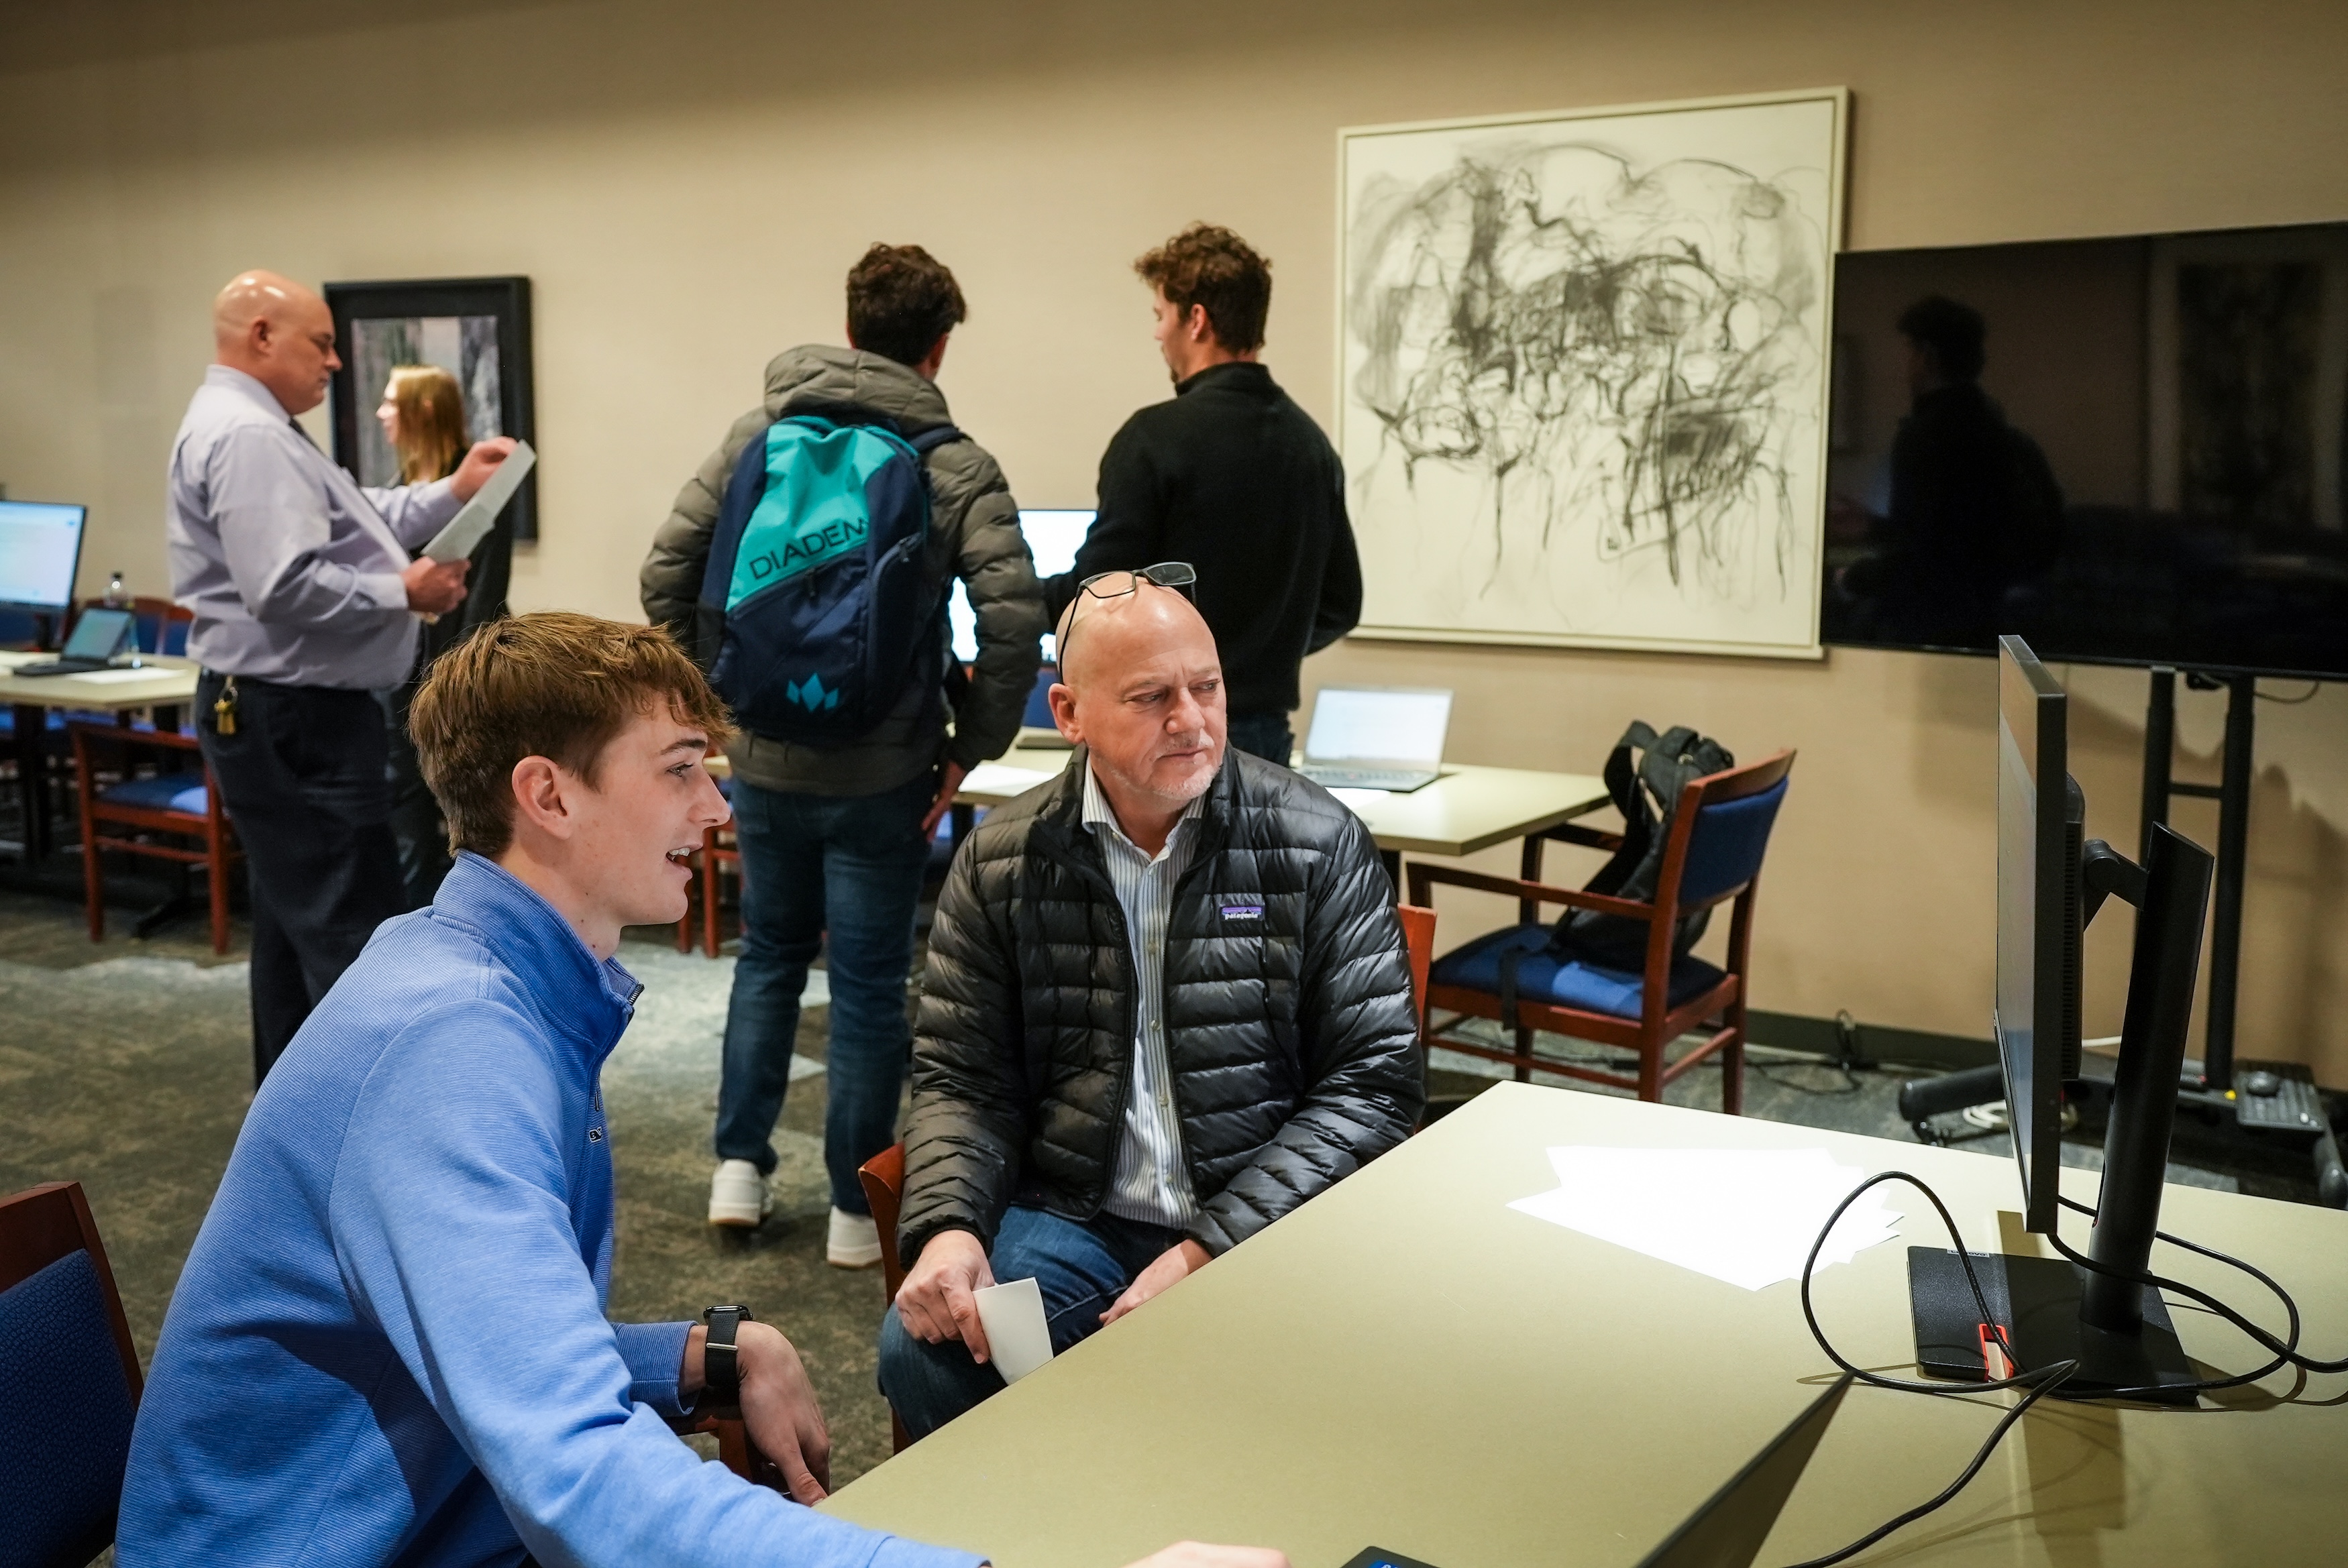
305, 604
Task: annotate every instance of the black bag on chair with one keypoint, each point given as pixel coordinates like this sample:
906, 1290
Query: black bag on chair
1666, 764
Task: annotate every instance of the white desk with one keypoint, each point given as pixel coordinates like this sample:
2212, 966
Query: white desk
1406, 1362
161, 683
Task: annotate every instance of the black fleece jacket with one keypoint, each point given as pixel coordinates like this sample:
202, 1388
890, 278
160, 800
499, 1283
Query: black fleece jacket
1236, 479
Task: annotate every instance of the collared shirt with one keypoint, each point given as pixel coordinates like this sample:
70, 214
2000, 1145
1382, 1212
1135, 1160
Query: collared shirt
293, 570
1151, 1183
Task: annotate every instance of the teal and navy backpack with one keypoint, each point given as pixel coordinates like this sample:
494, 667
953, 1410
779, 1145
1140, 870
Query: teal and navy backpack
817, 607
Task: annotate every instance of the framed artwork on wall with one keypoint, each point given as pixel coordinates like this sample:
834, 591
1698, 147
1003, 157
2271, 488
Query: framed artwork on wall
476, 329
1582, 372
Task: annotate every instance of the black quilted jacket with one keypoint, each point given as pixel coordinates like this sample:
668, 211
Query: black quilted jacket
1290, 1033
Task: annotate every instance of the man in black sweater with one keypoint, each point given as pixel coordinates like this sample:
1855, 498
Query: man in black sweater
1234, 478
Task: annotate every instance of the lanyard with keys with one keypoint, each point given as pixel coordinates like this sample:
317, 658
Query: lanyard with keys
224, 711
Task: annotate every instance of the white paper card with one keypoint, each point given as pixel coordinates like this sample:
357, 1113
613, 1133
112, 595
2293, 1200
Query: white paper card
473, 521
119, 677
995, 778
1017, 1338
1747, 1216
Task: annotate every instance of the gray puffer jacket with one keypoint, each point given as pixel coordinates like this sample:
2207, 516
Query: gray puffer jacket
1290, 1032
973, 534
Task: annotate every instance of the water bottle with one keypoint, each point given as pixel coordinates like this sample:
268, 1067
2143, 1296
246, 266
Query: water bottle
116, 595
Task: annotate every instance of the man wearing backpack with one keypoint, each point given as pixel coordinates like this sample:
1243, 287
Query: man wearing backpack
807, 563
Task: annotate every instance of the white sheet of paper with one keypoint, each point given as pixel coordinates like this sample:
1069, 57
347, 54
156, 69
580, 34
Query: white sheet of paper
995, 778
1017, 1338
1747, 1216
473, 520
119, 677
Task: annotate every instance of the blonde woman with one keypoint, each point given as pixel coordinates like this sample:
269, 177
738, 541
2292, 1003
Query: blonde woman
423, 417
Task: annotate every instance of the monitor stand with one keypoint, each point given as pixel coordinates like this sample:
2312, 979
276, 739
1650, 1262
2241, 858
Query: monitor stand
2052, 1310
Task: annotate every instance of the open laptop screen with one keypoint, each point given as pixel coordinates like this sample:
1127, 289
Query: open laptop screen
1378, 724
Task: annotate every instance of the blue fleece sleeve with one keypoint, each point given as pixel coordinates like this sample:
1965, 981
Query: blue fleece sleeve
655, 1353
453, 1232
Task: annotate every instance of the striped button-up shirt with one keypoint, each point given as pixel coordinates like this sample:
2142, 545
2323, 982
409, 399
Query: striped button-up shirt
1150, 1183
292, 568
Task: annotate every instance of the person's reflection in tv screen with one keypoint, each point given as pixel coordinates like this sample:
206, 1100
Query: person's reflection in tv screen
1973, 510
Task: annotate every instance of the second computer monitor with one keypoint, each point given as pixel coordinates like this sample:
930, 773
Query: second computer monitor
1052, 538
40, 550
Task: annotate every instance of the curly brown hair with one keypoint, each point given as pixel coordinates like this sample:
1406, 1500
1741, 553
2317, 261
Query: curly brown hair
1211, 266
901, 301
553, 684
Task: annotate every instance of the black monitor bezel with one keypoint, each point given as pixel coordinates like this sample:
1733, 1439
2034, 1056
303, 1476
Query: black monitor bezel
2032, 715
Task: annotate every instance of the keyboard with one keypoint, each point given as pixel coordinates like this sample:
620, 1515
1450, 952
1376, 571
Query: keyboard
1399, 781
64, 667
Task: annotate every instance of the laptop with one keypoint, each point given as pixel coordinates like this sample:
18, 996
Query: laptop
1376, 737
1731, 1527
98, 637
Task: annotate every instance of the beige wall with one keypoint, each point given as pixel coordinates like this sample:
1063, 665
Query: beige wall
686, 183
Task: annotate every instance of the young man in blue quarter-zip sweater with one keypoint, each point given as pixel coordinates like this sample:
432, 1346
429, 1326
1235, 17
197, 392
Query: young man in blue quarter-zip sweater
388, 1345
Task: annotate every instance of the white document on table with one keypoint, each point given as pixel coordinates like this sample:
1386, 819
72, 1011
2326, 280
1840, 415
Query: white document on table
995, 778
120, 677
473, 521
1018, 1340
1746, 1216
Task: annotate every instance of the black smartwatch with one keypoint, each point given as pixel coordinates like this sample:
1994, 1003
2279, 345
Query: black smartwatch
721, 1362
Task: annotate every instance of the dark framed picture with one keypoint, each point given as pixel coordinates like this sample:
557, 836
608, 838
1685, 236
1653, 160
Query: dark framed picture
476, 329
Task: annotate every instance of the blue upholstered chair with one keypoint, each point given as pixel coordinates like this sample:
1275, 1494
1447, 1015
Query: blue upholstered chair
152, 817
1712, 853
69, 1382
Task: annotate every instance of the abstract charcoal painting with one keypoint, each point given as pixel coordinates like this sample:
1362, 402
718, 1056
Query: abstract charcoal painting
1583, 372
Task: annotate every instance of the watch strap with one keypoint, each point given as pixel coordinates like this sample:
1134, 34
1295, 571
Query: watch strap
721, 1360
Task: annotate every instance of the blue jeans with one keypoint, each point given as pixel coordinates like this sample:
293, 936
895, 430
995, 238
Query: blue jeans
1266, 736
1079, 1268
849, 867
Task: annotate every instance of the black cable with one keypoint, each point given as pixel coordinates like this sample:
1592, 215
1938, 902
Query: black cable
2306, 696
2285, 1351
2045, 1379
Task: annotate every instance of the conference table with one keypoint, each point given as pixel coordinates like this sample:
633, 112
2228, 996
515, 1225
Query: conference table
158, 681
1466, 809
1408, 1362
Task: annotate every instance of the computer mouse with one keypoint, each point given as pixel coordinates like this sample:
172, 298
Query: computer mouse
2262, 1083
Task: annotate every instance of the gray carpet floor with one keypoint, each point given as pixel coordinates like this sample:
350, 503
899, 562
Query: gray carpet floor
127, 1066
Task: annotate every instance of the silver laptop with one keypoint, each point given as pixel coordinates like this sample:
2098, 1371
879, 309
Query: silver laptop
1376, 737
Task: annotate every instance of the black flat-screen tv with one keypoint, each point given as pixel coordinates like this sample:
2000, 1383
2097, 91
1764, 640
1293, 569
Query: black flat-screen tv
2129, 451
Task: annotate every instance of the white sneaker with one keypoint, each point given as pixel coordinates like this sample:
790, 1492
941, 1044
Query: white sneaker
738, 1196
854, 1241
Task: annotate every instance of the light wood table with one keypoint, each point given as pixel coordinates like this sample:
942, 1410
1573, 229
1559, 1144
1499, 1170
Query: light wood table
1466, 809
161, 683
1404, 1361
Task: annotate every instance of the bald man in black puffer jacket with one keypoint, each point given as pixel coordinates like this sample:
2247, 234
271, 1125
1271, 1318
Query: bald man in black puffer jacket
1063, 1125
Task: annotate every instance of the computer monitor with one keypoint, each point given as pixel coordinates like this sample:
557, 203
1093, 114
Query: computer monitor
1052, 538
2040, 815
2051, 882
40, 551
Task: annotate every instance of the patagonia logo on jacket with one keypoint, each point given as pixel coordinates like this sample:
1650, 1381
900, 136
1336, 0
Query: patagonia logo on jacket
1239, 913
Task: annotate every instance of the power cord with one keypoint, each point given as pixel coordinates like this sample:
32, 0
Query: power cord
2042, 1380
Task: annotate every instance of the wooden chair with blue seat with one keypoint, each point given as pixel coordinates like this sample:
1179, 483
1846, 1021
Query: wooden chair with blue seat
69, 1382
183, 804
1714, 847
